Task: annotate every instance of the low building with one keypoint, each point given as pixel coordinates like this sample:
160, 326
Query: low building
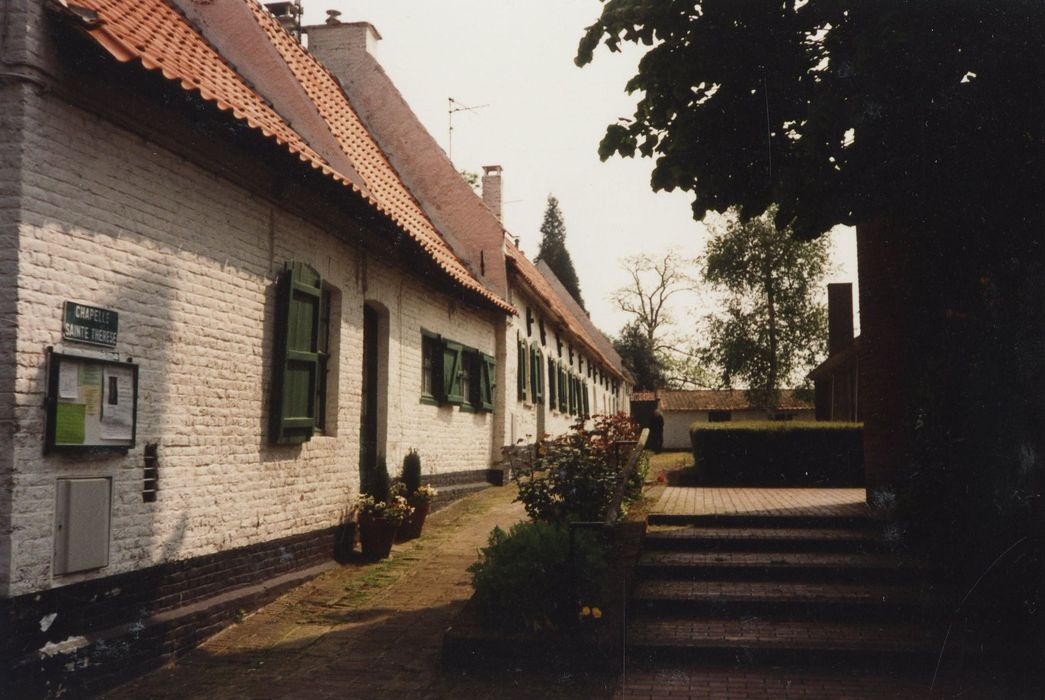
683, 408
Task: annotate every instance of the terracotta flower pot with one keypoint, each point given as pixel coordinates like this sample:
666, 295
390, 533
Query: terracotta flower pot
376, 536
411, 527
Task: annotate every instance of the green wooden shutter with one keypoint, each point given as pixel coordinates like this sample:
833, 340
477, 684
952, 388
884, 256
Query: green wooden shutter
472, 360
295, 367
521, 372
563, 398
487, 381
551, 383
452, 358
584, 397
538, 376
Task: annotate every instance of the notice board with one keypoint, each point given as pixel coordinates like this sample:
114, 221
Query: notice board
92, 404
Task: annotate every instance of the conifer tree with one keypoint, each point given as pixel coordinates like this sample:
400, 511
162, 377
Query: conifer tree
553, 250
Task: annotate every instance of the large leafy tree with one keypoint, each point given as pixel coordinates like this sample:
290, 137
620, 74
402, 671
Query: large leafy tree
553, 250
838, 111
773, 328
922, 121
637, 354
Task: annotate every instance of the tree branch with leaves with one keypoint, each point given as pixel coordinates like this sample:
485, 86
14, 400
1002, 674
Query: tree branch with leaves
773, 328
657, 357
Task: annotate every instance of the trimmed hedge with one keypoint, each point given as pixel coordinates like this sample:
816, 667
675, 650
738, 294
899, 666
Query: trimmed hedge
779, 453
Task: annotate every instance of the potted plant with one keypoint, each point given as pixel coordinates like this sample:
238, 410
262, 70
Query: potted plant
417, 495
381, 512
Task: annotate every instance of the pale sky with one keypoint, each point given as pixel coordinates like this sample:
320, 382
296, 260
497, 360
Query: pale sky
543, 121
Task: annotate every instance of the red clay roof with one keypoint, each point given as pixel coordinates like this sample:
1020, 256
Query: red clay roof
601, 342
544, 290
162, 39
472, 230
716, 400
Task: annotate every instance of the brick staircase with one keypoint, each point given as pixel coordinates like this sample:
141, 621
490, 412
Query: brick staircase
751, 592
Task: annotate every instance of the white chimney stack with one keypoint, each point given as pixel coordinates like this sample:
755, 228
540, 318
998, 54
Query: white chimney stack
335, 41
492, 189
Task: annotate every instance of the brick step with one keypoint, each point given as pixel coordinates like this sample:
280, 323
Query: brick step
780, 566
767, 539
788, 599
453, 492
766, 520
747, 641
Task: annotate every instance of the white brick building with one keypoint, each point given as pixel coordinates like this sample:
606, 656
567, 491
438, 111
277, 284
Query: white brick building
143, 174
551, 334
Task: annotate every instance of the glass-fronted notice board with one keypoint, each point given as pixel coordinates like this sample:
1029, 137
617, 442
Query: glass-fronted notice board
92, 404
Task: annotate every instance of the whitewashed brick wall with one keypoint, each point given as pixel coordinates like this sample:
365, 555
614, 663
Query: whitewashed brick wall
11, 98
188, 260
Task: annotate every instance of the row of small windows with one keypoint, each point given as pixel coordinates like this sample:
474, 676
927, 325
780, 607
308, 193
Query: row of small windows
592, 372
456, 375
451, 374
567, 391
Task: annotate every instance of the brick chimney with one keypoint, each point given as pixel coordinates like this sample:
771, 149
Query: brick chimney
839, 316
492, 189
335, 42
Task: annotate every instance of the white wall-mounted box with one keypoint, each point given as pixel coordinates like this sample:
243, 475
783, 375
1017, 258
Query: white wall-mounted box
82, 519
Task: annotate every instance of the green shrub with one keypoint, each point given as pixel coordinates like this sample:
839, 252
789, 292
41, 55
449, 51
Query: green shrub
575, 476
411, 476
522, 578
778, 453
378, 485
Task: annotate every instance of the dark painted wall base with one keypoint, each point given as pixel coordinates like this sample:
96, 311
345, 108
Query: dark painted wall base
113, 628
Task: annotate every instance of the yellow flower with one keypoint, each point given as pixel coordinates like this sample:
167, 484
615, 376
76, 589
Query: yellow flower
596, 613
585, 611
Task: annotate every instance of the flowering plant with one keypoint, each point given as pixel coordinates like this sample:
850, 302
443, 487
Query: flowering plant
424, 494
592, 612
395, 508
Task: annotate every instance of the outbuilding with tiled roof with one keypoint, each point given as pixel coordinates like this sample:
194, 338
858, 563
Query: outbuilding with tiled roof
683, 408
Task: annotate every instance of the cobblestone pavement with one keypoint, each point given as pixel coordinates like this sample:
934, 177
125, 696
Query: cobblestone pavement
686, 500
364, 631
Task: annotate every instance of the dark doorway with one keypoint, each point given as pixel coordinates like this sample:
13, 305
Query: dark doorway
368, 428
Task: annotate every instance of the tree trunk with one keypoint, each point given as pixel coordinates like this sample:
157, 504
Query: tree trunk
771, 310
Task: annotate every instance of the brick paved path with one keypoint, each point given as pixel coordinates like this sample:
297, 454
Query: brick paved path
357, 631
684, 500
375, 632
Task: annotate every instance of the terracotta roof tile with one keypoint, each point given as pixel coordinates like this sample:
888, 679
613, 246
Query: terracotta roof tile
528, 271
162, 39
601, 342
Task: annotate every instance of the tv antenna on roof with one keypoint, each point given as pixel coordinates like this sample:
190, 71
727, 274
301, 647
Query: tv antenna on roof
454, 107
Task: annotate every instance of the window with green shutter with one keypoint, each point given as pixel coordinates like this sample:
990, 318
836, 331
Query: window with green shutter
552, 381
563, 398
536, 374
487, 381
521, 372
453, 391
295, 364
431, 367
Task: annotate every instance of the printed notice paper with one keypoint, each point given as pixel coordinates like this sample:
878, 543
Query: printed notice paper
69, 380
92, 397
91, 375
117, 403
69, 423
